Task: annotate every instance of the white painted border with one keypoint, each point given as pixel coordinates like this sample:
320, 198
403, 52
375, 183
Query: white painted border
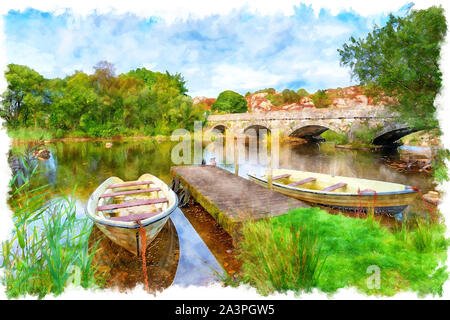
178, 9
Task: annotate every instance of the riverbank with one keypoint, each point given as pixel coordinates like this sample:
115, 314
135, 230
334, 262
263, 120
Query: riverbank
333, 252
19, 136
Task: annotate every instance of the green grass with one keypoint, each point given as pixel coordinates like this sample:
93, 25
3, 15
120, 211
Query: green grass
340, 252
30, 134
49, 248
337, 138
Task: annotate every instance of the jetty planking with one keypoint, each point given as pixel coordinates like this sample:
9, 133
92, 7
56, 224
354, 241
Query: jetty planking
231, 199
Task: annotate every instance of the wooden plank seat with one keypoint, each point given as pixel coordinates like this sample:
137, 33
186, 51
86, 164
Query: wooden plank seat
334, 186
294, 184
128, 184
136, 217
131, 204
124, 193
281, 176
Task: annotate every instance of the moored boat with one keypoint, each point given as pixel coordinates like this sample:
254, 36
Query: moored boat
344, 193
121, 209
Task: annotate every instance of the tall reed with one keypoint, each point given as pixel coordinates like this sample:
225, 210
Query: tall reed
276, 258
48, 248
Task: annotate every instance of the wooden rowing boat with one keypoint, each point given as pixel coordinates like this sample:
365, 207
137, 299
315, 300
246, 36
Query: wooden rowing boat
342, 193
117, 208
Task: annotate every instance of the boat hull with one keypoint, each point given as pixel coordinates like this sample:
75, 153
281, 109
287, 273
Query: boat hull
128, 234
384, 202
130, 238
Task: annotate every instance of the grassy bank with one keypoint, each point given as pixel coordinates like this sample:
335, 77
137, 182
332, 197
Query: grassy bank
31, 134
48, 249
309, 248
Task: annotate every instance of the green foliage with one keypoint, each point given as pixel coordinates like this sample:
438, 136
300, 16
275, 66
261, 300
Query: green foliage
268, 90
49, 246
321, 99
337, 138
401, 60
302, 93
285, 97
363, 137
409, 258
231, 102
30, 134
440, 170
278, 257
98, 105
23, 97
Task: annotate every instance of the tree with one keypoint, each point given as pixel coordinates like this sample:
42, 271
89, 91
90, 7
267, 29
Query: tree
230, 101
321, 99
400, 60
302, 93
23, 96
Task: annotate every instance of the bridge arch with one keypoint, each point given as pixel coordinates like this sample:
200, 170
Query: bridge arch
254, 128
312, 129
391, 133
221, 127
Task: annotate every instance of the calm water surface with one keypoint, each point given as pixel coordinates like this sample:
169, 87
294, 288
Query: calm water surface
84, 165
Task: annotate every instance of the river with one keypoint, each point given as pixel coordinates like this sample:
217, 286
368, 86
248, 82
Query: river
82, 166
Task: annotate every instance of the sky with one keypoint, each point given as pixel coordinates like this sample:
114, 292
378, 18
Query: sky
240, 49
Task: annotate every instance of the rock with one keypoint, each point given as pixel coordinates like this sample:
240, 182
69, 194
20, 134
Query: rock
432, 197
108, 145
42, 154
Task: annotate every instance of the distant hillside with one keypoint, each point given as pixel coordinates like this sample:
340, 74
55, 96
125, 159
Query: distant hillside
205, 101
349, 97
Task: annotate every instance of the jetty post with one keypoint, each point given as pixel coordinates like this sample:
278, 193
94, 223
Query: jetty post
269, 160
236, 156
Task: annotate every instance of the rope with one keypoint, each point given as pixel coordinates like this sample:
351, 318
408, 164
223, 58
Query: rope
143, 248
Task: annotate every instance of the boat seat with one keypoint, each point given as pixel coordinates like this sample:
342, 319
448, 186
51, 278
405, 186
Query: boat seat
294, 184
131, 204
334, 187
281, 176
124, 193
128, 184
136, 217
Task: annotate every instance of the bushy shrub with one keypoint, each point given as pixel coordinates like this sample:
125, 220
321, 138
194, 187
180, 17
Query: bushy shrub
230, 102
321, 99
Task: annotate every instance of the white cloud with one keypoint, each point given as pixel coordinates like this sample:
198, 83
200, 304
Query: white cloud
242, 49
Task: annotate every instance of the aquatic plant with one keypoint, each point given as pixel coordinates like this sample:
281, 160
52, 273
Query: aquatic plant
49, 247
408, 258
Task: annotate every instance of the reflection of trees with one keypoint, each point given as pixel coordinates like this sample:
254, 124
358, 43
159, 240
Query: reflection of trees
87, 164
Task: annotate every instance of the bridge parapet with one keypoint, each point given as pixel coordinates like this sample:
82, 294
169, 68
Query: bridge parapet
307, 114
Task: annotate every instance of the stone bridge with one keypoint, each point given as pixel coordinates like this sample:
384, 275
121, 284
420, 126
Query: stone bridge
312, 122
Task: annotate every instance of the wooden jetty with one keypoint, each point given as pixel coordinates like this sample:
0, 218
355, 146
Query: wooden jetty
231, 199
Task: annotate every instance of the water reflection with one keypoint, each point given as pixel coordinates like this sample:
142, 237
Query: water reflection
87, 164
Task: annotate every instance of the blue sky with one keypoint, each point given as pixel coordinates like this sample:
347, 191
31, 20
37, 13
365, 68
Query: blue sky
239, 50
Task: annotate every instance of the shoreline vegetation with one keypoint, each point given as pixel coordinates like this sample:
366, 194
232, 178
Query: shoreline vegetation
49, 248
334, 251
